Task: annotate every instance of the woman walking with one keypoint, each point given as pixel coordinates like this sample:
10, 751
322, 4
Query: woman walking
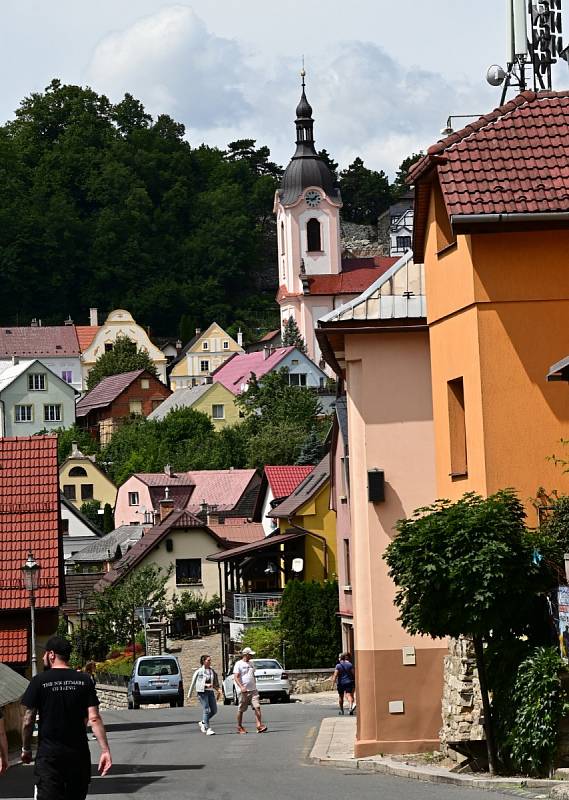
206, 684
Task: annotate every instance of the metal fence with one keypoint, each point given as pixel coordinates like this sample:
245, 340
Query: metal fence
253, 607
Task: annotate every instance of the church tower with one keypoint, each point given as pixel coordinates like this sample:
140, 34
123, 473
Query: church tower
307, 207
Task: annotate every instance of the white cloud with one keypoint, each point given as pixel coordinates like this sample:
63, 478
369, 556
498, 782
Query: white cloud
171, 62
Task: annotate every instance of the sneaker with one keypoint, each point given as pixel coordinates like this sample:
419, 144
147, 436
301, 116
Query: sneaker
210, 732
341, 712
240, 729
203, 728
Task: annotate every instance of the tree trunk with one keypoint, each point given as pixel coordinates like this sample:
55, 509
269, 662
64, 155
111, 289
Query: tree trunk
488, 723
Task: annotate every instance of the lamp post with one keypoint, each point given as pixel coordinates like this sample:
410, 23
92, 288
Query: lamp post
30, 573
81, 607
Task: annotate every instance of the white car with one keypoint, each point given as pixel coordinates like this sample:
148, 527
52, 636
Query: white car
272, 682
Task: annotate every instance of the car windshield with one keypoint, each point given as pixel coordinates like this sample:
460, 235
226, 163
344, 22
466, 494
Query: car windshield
266, 663
158, 666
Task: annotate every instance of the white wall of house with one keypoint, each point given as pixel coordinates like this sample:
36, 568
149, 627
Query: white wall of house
66, 367
269, 524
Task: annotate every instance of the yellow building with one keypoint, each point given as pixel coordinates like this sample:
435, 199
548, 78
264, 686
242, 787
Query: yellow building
308, 508
80, 479
201, 356
212, 399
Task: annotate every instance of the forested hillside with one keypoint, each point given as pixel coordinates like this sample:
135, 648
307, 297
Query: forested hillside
101, 205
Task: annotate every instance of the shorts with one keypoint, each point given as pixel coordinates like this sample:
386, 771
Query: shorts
346, 687
58, 778
249, 699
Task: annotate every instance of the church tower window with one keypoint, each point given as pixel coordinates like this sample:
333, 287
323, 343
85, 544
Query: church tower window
282, 239
313, 236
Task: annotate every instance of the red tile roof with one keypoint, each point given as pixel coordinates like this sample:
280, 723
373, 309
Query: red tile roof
284, 480
381, 263
13, 644
58, 340
85, 335
29, 518
353, 281
513, 160
239, 534
106, 392
223, 488
237, 370
162, 479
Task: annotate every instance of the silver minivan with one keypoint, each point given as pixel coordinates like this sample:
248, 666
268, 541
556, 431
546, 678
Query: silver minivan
156, 679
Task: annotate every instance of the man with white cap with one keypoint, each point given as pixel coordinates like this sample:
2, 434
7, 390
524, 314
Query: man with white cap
244, 677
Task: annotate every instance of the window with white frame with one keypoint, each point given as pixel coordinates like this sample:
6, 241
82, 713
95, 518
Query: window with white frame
205, 345
133, 499
204, 366
23, 413
297, 379
36, 382
218, 411
403, 242
67, 375
52, 413
225, 345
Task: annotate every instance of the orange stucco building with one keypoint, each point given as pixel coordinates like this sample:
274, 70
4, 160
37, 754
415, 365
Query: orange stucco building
492, 226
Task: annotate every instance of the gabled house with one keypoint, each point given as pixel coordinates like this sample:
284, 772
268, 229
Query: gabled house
76, 529
223, 494
272, 339
55, 346
33, 399
277, 483
98, 555
396, 225
201, 356
115, 398
29, 522
80, 479
378, 346
97, 339
180, 540
236, 373
212, 399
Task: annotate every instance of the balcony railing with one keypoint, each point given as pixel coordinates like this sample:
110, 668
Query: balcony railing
254, 606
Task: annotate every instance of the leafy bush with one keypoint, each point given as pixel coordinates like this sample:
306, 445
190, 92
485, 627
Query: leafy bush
190, 602
540, 701
310, 623
265, 640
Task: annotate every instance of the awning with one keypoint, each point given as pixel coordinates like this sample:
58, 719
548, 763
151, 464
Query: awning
559, 371
256, 547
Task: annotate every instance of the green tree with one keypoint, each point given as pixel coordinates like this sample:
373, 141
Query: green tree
312, 448
330, 163
124, 357
66, 437
108, 518
400, 184
365, 193
310, 623
90, 510
292, 336
468, 568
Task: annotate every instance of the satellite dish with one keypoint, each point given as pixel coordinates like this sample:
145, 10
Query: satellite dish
495, 75
297, 564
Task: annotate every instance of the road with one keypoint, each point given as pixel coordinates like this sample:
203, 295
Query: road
161, 754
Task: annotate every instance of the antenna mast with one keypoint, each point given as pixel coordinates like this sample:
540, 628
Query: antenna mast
531, 49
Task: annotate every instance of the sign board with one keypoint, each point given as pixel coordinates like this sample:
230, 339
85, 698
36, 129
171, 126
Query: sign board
190, 615
144, 613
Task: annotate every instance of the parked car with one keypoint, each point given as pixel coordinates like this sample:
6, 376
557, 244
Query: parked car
156, 679
272, 682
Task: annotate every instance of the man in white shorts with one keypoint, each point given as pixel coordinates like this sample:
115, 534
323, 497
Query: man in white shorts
244, 677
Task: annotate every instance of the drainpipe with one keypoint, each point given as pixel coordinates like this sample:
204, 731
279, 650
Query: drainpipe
316, 536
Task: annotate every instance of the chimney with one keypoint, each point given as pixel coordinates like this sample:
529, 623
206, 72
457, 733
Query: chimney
68, 321
73, 449
265, 353
93, 317
198, 331
15, 361
240, 337
168, 472
34, 323
212, 515
178, 345
166, 505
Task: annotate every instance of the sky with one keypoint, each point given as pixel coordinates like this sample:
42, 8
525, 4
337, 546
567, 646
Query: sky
382, 75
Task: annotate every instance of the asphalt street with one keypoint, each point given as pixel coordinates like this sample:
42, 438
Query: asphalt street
161, 754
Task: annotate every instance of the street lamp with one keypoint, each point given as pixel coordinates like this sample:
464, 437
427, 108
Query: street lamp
81, 607
31, 574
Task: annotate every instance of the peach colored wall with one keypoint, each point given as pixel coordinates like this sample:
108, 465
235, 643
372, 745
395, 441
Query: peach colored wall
391, 428
343, 527
125, 514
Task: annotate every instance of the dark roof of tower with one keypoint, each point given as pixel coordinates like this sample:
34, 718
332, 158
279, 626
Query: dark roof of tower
306, 168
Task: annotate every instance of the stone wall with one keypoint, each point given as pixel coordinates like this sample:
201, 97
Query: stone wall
155, 639
111, 696
461, 702
361, 240
306, 681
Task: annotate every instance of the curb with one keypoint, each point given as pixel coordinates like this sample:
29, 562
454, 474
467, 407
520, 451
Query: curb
385, 766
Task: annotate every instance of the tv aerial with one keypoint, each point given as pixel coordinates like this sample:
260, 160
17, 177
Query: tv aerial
534, 44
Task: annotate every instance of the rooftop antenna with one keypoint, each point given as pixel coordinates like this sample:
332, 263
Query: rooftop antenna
534, 43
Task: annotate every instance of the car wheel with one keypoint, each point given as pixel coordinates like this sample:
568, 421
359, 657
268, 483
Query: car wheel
135, 704
235, 698
173, 703
130, 704
285, 697
180, 702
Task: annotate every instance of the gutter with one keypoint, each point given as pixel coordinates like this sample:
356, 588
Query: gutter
316, 536
512, 218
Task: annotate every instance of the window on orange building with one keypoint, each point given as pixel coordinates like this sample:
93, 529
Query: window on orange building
457, 428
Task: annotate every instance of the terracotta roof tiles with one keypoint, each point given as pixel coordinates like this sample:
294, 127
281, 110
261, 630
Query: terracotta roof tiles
13, 644
284, 480
85, 335
106, 392
29, 518
32, 341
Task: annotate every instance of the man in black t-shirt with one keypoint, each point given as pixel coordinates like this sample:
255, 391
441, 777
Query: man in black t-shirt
64, 699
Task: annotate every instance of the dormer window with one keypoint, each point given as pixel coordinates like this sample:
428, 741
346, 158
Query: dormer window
205, 345
313, 236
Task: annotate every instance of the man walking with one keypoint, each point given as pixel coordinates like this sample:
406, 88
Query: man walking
65, 700
244, 677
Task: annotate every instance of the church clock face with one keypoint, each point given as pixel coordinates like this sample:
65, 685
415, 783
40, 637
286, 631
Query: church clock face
312, 198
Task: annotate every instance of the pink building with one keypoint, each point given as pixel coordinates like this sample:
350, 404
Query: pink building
379, 345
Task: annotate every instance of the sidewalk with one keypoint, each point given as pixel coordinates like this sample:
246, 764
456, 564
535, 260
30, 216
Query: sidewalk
334, 747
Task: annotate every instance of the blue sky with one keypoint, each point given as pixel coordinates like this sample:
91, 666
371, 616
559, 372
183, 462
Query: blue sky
383, 76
